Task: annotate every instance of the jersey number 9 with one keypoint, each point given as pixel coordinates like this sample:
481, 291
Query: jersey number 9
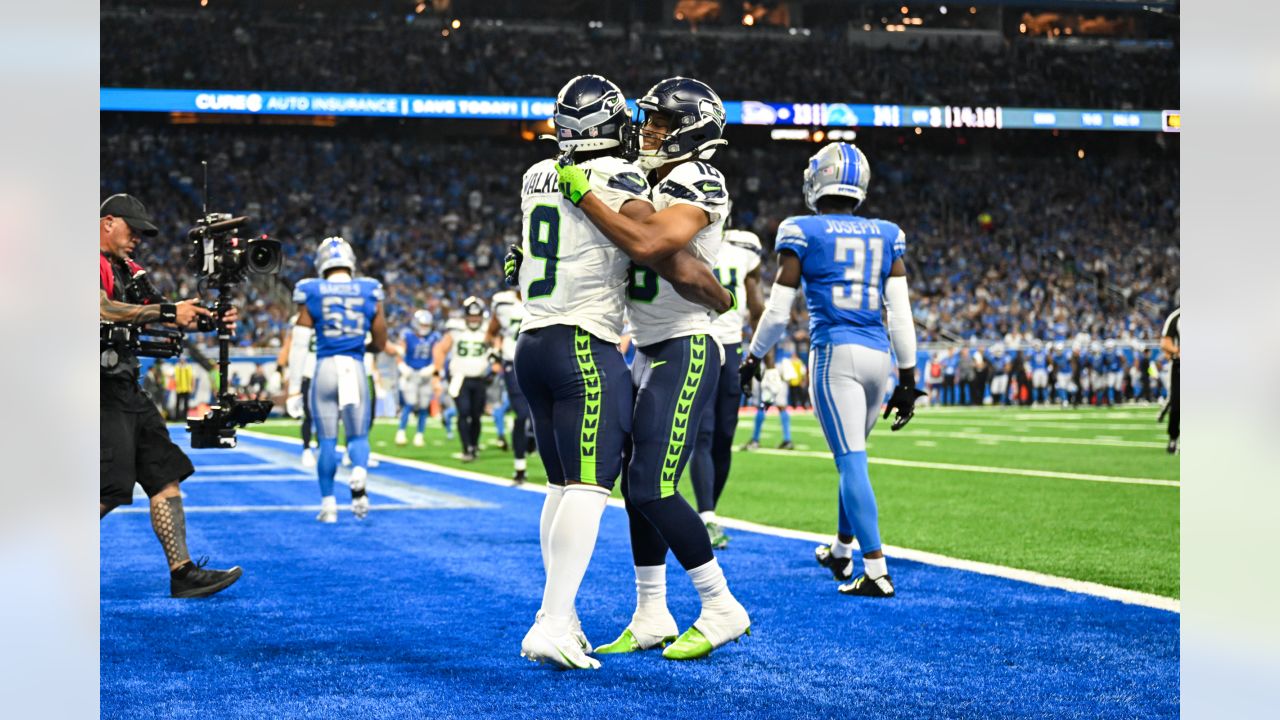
544, 245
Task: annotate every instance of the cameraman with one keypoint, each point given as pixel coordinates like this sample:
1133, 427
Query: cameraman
135, 443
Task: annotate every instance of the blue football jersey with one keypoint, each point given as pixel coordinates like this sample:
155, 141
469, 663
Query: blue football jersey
1039, 360
342, 312
844, 262
418, 349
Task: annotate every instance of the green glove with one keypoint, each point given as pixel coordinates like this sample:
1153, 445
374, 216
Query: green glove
573, 182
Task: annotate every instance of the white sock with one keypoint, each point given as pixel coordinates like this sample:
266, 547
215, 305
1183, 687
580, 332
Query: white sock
841, 550
549, 506
571, 541
522, 464
328, 502
708, 580
651, 589
708, 516
875, 568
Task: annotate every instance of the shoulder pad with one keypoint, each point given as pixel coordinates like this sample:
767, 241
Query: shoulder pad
695, 181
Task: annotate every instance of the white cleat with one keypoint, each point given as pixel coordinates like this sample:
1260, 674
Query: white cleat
401, 438
372, 462
575, 631
418, 440
346, 460
563, 651
359, 505
328, 511
308, 458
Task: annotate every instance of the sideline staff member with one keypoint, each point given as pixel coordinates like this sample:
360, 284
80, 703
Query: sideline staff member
135, 443
1171, 344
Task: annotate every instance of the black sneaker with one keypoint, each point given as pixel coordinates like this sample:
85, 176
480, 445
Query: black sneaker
193, 581
1173, 447
502, 444
519, 477
787, 445
881, 587
841, 568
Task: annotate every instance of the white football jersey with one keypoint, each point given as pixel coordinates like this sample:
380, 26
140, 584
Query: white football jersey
509, 310
469, 356
733, 265
572, 274
657, 312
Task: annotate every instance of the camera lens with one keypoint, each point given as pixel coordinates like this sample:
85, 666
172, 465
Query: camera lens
264, 256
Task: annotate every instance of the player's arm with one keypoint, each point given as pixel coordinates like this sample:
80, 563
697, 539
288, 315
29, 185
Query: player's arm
902, 336
378, 330
753, 284
493, 333
773, 321
299, 345
440, 352
690, 277
651, 239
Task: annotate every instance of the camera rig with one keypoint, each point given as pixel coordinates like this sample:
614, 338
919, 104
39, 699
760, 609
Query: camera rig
222, 259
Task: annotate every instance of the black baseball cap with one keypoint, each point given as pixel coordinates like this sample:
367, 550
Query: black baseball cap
132, 211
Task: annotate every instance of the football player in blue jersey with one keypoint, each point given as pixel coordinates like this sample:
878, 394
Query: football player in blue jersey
418, 384
850, 267
339, 309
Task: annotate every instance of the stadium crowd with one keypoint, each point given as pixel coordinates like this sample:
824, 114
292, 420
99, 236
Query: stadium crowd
272, 47
1011, 248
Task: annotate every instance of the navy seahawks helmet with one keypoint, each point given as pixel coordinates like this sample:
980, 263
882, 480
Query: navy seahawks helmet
696, 120
473, 311
591, 114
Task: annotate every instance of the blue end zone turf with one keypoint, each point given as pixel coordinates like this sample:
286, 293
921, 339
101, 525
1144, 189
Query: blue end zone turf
419, 613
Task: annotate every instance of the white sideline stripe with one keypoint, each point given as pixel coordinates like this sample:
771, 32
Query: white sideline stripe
988, 470
275, 508
245, 466
975, 434
1083, 426
1130, 597
247, 478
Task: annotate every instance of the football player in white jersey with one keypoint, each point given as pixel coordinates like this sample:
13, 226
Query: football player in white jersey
738, 268
504, 329
467, 352
677, 364
574, 284
299, 406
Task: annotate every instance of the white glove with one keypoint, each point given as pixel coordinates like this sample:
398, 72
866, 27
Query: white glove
404, 369
772, 387
293, 405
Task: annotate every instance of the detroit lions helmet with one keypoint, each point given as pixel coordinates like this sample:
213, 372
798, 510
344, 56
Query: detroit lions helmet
837, 169
422, 322
696, 121
591, 114
333, 253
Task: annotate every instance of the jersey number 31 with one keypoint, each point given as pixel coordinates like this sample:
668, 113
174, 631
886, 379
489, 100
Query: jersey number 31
860, 289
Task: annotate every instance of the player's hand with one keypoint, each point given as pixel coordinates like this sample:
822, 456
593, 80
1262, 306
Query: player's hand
574, 184
293, 405
511, 263
904, 401
404, 369
748, 373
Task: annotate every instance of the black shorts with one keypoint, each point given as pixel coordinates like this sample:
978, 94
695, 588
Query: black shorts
135, 448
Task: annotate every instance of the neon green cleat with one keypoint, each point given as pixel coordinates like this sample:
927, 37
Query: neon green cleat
719, 541
692, 645
627, 643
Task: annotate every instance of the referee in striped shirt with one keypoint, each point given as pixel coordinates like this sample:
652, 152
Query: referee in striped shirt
1171, 345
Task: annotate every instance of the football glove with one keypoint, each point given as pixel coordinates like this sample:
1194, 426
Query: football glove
904, 401
293, 405
511, 265
574, 184
748, 373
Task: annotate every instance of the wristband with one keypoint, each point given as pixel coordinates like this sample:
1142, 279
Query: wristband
168, 312
907, 377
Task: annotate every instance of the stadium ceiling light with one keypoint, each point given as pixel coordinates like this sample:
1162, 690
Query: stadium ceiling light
905, 10
456, 23
942, 9
748, 20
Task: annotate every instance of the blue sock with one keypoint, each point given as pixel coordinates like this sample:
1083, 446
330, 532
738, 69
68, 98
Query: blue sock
327, 465
404, 416
448, 420
843, 528
422, 421
786, 424
358, 451
858, 500
755, 434
499, 420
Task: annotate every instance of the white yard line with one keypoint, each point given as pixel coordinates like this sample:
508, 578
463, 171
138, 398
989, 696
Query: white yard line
986, 470
1131, 597
990, 438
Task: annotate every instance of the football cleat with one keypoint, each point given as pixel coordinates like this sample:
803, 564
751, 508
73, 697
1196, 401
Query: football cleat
328, 511
787, 445
711, 630
753, 445
418, 440
653, 629
881, 587
628, 643
520, 477
502, 444
468, 457
308, 458
719, 541
563, 651
1173, 447
401, 438
191, 580
360, 507
841, 568
346, 460
357, 480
